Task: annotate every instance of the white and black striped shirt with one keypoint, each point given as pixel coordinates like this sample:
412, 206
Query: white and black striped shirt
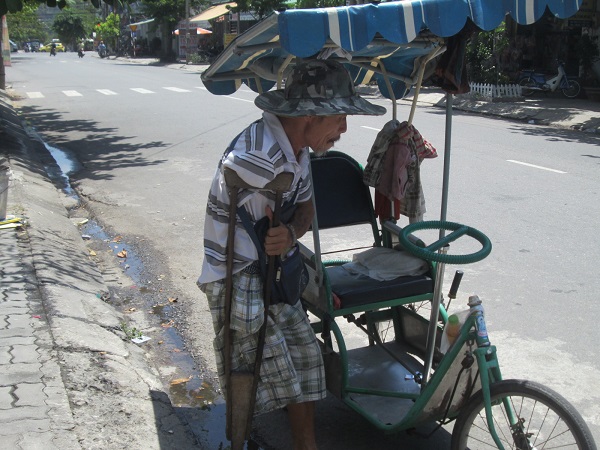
261, 152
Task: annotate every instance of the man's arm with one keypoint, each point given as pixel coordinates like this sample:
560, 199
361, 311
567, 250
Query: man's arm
280, 239
302, 218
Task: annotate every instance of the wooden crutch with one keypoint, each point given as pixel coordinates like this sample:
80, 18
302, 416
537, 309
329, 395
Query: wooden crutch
241, 386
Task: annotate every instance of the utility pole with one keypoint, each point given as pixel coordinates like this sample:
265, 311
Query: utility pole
187, 31
2, 69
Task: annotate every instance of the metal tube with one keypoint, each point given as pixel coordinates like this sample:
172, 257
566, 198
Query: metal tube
447, 148
315, 233
433, 318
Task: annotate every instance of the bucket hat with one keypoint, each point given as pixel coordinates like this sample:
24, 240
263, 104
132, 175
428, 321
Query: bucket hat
317, 88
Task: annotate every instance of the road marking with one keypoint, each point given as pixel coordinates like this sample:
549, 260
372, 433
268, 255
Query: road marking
201, 87
534, 166
176, 89
35, 95
241, 99
142, 91
72, 94
370, 128
106, 92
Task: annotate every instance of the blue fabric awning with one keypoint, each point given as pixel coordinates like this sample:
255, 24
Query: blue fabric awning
389, 38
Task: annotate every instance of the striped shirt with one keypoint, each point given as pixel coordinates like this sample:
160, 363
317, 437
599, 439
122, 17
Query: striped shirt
262, 151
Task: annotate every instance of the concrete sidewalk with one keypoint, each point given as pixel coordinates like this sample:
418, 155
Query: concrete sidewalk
69, 377
544, 109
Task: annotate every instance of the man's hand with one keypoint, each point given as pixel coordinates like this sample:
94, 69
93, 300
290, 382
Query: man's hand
278, 239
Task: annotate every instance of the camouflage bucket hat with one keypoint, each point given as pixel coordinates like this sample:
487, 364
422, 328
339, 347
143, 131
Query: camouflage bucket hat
317, 88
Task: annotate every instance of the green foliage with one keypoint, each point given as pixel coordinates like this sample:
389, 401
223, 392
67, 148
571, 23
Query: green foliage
307, 4
70, 27
586, 50
169, 12
109, 30
25, 24
15, 6
130, 332
262, 8
483, 56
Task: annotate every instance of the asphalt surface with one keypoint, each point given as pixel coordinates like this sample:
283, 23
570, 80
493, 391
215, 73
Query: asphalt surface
70, 376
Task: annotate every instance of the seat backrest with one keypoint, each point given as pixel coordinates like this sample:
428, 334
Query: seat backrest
341, 197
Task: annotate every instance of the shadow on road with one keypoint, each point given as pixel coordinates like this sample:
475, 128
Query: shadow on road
99, 149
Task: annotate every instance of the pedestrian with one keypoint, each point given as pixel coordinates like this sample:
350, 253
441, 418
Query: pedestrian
309, 114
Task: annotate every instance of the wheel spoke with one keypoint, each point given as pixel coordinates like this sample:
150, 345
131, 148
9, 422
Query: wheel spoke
526, 416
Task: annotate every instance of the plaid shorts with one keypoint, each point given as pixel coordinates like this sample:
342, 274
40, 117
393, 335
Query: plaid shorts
292, 369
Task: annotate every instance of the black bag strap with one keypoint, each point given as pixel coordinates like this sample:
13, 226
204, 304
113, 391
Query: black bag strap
247, 222
245, 218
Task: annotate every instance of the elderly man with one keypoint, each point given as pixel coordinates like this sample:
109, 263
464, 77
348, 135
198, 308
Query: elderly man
310, 113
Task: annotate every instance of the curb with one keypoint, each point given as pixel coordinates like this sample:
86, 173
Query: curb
102, 390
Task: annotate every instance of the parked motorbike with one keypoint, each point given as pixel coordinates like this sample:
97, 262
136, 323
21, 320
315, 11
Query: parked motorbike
532, 82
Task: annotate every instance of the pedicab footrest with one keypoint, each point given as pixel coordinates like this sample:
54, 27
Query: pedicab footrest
355, 290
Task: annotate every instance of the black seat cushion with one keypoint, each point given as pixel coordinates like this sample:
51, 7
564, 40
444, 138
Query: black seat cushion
355, 290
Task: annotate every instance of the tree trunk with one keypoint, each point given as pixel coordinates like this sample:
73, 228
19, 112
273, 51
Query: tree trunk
2, 69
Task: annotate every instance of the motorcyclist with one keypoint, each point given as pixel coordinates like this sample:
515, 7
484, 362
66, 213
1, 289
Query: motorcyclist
53, 49
102, 49
80, 52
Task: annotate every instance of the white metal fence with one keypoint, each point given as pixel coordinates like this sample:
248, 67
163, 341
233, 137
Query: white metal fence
495, 90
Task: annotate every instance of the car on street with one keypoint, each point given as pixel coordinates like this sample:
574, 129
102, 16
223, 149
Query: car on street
13, 46
46, 48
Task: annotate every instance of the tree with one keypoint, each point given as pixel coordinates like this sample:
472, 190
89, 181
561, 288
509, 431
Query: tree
483, 55
109, 30
70, 27
262, 8
26, 25
308, 4
168, 13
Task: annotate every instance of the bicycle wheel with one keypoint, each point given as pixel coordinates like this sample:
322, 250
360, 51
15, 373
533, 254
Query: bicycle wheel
545, 420
526, 84
573, 90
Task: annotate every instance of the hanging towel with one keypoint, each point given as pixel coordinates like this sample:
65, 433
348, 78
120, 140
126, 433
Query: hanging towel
393, 168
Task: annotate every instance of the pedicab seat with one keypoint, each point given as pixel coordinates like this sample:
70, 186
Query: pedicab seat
342, 199
355, 290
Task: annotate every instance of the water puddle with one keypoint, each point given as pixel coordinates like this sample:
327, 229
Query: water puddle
67, 165
193, 398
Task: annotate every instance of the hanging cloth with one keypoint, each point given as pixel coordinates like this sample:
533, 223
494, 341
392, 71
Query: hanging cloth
393, 169
451, 70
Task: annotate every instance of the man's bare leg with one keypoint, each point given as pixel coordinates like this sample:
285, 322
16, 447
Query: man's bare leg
302, 420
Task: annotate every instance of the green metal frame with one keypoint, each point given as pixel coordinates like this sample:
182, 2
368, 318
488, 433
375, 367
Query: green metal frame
485, 358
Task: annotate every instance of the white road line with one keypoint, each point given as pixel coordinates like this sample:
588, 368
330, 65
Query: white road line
72, 93
534, 166
175, 89
142, 91
201, 87
35, 95
370, 128
241, 99
106, 92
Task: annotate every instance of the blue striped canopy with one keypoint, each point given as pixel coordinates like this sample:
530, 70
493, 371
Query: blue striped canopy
380, 42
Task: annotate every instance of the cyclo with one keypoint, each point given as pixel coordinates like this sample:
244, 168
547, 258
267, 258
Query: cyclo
405, 371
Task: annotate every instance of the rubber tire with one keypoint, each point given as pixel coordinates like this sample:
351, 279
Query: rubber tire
573, 90
525, 83
519, 388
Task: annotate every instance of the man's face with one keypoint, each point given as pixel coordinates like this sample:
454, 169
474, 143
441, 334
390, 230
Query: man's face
324, 131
